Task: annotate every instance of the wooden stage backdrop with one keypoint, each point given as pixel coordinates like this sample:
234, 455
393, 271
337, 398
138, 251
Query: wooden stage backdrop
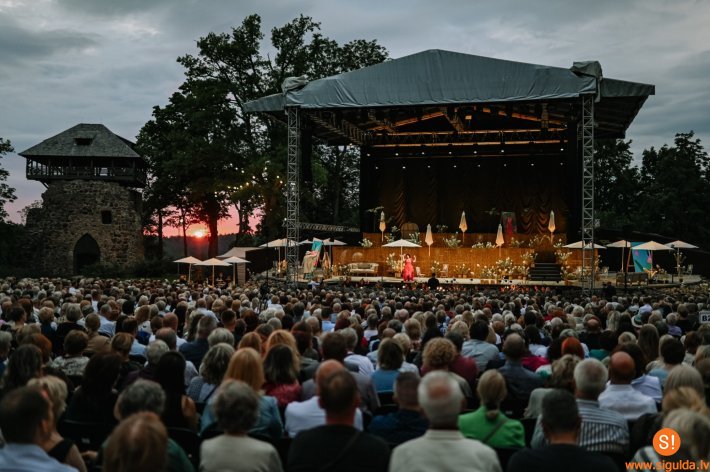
475, 259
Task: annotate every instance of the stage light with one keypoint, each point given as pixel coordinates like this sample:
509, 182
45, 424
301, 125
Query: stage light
428, 167
404, 167
454, 166
377, 168
505, 165
502, 151
396, 154
532, 164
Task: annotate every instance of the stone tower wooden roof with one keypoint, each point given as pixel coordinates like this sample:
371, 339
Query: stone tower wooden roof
84, 140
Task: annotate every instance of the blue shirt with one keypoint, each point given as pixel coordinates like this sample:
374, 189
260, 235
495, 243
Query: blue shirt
383, 380
29, 458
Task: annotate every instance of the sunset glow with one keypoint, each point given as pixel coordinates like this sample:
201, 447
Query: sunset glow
199, 233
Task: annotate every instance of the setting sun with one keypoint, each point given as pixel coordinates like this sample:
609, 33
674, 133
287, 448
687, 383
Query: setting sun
200, 233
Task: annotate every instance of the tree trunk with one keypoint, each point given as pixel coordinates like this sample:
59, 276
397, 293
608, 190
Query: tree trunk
184, 232
336, 179
160, 234
212, 219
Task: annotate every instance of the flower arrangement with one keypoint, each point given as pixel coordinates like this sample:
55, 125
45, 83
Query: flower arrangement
528, 259
461, 270
441, 228
341, 269
515, 242
392, 236
366, 243
562, 257
504, 267
488, 272
436, 266
559, 243
452, 242
394, 262
414, 237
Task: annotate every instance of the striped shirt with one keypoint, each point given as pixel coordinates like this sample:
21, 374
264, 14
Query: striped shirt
602, 430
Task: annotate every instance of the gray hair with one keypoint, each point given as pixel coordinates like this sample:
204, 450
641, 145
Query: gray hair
5, 341
73, 312
590, 377
236, 406
693, 430
441, 398
275, 323
350, 337
141, 395
220, 335
155, 351
215, 363
683, 375
627, 337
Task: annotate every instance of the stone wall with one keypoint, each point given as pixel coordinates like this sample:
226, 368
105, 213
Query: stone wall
73, 209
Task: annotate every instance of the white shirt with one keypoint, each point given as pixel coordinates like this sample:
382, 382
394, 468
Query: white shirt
364, 365
301, 416
627, 401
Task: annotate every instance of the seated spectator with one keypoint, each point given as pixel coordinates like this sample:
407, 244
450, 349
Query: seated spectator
62, 449
462, 366
337, 444
5, 346
643, 383
562, 377
438, 354
608, 340
195, 350
220, 335
694, 430
27, 423
308, 414
477, 347
237, 410
561, 426
389, 362
488, 424
96, 342
520, 381
180, 410
364, 365
407, 422
246, 365
281, 367
619, 395
139, 442
214, 365
122, 344
442, 447
94, 400
601, 430
309, 358
72, 316
24, 364
672, 355
73, 362
153, 353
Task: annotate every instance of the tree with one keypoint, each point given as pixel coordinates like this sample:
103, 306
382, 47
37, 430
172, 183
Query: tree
674, 197
616, 182
7, 193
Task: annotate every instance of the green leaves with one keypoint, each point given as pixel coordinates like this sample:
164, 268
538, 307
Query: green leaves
7, 193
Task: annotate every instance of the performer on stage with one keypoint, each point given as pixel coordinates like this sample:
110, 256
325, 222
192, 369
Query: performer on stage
408, 268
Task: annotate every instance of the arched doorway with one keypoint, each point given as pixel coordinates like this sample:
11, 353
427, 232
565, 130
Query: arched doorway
86, 252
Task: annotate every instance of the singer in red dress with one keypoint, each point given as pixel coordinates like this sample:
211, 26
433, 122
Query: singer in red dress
408, 268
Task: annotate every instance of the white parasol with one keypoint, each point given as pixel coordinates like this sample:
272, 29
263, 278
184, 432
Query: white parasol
401, 243
551, 224
428, 238
234, 260
463, 226
188, 260
383, 225
579, 245
214, 262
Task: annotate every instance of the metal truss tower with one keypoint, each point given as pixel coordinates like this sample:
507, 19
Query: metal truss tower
293, 194
588, 221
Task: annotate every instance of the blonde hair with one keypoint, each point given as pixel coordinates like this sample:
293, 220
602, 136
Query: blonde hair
684, 397
246, 365
492, 391
56, 390
139, 442
252, 340
281, 336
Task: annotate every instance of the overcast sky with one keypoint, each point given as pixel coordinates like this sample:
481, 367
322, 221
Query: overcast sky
64, 62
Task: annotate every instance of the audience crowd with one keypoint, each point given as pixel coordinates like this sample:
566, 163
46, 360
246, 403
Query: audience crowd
152, 375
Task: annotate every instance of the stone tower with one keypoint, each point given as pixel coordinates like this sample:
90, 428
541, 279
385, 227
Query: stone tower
90, 211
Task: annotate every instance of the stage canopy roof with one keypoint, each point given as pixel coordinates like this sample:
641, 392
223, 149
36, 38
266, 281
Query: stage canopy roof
455, 93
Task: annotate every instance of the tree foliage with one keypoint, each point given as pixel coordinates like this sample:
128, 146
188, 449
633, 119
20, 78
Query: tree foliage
7, 193
207, 155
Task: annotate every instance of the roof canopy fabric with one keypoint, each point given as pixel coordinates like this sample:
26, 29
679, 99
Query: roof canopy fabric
437, 77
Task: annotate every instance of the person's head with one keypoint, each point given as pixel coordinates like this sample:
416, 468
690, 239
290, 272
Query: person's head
121, 344
622, 369
441, 399
560, 417
683, 397
390, 355
75, 342
100, 374
325, 369
334, 347
572, 346
672, 352
26, 416
338, 396
215, 363
92, 323
141, 395
405, 391
438, 354
5, 344
514, 347
563, 372
251, 340
492, 391
170, 373
246, 365
206, 325
24, 364
56, 391
279, 365
648, 342
236, 407
155, 351
139, 442
590, 378
479, 330
73, 313
685, 376
693, 429
220, 335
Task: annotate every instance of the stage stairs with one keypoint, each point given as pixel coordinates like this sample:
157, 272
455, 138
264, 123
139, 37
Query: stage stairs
545, 272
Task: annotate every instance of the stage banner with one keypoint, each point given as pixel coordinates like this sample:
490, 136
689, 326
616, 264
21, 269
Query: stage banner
643, 260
